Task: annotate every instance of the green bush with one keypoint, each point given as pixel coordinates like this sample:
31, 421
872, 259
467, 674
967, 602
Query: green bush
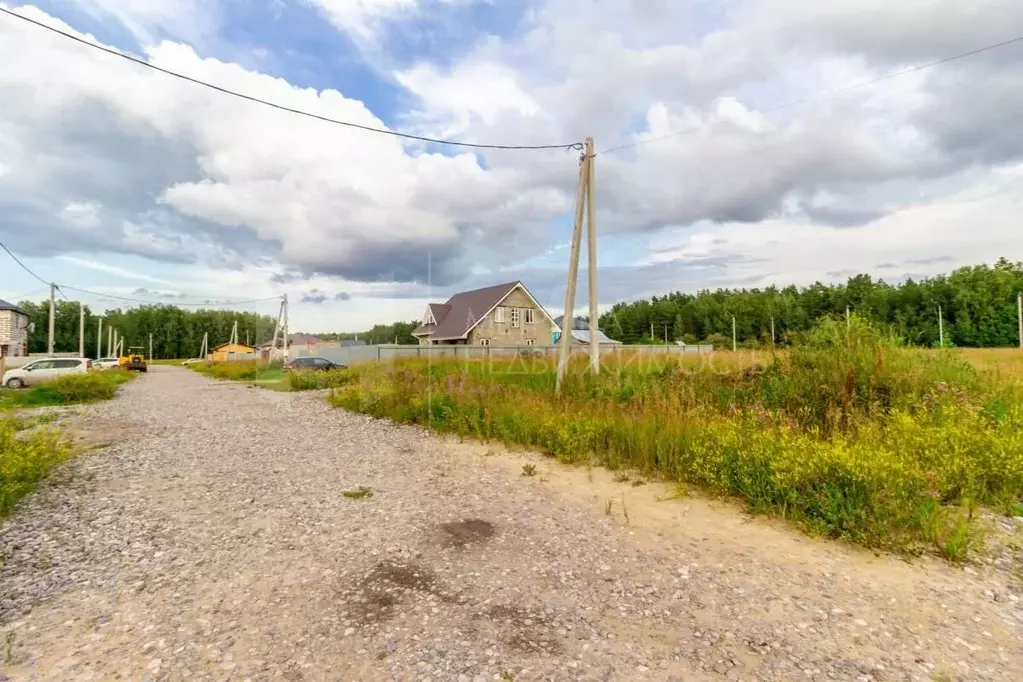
24, 460
306, 380
72, 388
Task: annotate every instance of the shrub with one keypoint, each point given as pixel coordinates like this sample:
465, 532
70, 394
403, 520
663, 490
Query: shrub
73, 388
237, 370
25, 458
312, 380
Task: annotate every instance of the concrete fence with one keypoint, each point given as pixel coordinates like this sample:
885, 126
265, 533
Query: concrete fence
387, 352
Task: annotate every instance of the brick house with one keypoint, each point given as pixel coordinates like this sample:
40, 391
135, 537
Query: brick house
13, 330
502, 315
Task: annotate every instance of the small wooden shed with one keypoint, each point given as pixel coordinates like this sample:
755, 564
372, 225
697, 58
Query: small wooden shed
232, 351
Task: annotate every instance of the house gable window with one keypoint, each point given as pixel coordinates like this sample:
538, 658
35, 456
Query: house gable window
484, 342
530, 316
499, 314
515, 317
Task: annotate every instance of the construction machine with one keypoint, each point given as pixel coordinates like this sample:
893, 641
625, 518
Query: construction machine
134, 360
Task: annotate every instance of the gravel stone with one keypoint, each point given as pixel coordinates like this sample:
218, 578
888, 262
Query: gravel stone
209, 539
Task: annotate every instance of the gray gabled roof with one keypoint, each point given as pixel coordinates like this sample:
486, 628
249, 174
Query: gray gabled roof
583, 336
462, 311
4, 305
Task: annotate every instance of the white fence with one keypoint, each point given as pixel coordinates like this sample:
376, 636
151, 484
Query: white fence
353, 355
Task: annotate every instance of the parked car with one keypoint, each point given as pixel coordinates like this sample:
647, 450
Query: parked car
320, 364
105, 363
43, 370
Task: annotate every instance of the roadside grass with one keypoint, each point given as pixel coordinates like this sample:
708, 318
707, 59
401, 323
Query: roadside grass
850, 434
166, 361
67, 390
273, 376
25, 458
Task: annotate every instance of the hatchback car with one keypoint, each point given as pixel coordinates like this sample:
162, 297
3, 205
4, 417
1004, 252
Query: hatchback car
321, 364
105, 363
47, 369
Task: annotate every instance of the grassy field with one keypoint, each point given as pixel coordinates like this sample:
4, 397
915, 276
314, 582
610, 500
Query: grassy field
272, 376
850, 435
66, 390
25, 458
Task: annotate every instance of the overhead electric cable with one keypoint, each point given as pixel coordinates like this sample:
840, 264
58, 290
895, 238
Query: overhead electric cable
383, 131
23, 266
835, 91
169, 302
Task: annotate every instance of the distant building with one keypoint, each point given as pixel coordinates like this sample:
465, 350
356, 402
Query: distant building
502, 315
231, 351
14, 324
581, 332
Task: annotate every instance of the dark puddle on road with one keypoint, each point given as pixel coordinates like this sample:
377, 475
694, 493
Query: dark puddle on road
467, 532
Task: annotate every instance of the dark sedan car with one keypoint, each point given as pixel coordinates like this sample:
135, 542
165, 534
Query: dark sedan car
313, 364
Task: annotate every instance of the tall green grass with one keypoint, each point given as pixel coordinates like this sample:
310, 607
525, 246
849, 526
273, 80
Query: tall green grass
850, 434
25, 458
69, 389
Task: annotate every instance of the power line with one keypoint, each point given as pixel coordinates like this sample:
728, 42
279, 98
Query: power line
383, 131
174, 303
835, 91
23, 266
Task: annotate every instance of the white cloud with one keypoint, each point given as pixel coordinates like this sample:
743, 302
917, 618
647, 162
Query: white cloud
112, 269
145, 19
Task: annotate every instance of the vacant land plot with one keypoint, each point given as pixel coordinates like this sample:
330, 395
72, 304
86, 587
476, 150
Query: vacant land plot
849, 435
235, 533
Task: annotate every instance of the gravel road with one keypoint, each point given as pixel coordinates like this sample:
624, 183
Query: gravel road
210, 539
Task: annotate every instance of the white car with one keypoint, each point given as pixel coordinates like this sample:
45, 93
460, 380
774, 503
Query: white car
105, 363
47, 369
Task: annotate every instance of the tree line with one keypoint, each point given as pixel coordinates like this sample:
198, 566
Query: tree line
177, 333
397, 332
978, 309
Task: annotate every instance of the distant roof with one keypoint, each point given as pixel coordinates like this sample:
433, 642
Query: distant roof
224, 345
4, 305
583, 336
463, 310
577, 322
301, 338
345, 343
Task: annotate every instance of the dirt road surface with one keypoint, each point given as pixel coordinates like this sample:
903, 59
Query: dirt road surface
211, 540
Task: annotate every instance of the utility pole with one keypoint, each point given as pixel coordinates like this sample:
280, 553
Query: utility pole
591, 229
665, 324
81, 329
941, 330
734, 348
99, 339
772, 330
568, 320
651, 330
287, 329
53, 296
150, 356
1019, 317
848, 319
110, 341
116, 353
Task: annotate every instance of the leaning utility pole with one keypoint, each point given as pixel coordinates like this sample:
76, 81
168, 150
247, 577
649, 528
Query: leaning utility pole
583, 196
53, 296
116, 354
81, 329
99, 339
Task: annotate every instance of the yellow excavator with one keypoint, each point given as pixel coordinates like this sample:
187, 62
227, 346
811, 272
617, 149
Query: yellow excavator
134, 361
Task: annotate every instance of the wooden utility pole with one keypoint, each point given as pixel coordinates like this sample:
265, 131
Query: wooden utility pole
81, 329
941, 330
568, 320
287, 330
99, 339
53, 296
734, 348
591, 266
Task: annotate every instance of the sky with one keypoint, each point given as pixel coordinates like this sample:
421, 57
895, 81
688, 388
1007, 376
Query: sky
740, 143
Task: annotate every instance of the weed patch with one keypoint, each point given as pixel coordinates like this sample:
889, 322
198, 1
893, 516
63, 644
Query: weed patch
25, 458
850, 434
360, 493
67, 390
